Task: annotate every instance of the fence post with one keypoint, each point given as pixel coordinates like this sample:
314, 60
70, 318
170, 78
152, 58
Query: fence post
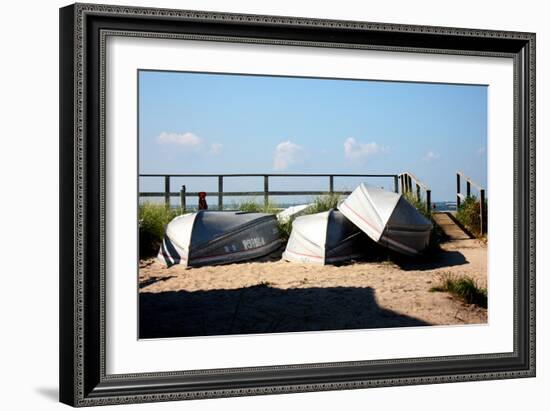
266, 190
482, 211
331, 184
395, 183
457, 191
429, 201
220, 192
183, 200
468, 188
417, 192
167, 191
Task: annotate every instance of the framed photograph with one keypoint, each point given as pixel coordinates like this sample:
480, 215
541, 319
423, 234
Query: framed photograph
262, 204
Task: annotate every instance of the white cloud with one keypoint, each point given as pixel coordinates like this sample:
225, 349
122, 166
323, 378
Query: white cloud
215, 148
287, 154
185, 139
355, 150
431, 155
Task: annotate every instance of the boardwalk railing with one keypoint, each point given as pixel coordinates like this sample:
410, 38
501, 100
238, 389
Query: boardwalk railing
407, 180
482, 197
183, 194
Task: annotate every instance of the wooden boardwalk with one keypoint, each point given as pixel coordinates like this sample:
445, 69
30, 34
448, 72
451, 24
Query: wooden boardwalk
450, 227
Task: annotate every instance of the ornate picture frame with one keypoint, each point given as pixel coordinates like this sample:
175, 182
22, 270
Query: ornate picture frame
84, 29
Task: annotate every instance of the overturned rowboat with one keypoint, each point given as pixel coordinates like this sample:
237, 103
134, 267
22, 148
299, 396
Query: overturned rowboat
325, 238
388, 218
292, 212
218, 237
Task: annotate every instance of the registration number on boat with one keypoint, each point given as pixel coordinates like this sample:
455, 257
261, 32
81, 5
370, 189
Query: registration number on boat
255, 242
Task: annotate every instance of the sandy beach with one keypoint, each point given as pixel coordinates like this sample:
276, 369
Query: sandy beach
279, 296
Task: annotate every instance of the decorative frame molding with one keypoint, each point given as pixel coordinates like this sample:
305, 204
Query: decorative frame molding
83, 32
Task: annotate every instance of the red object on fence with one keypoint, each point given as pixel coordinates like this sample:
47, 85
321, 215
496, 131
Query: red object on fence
202, 201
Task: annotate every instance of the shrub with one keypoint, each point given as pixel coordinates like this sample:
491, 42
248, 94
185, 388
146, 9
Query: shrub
464, 288
468, 214
285, 227
323, 203
419, 204
252, 206
153, 219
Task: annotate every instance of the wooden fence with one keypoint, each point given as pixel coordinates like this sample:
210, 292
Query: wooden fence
408, 179
404, 182
482, 198
183, 194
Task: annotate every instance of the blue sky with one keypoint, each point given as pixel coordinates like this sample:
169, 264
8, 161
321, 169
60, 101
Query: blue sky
210, 123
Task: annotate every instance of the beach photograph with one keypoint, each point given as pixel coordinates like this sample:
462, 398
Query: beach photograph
276, 204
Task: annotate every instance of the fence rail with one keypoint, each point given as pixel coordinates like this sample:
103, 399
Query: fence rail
407, 180
482, 197
183, 194
243, 193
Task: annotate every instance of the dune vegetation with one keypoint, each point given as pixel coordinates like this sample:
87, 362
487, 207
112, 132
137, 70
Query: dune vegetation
463, 287
468, 214
153, 219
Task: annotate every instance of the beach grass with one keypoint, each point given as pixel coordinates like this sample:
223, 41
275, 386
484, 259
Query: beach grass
468, 214
252, 206
153, 219
318, 205
418, 203
464, 288
323, 203
285, 228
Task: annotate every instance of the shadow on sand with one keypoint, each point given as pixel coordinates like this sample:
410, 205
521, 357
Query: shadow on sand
432, 259
263, 309
440, 259
153, 280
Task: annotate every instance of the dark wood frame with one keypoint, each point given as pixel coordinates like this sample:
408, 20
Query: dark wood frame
83, 29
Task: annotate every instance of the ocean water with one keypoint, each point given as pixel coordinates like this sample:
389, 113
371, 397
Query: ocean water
445, 206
